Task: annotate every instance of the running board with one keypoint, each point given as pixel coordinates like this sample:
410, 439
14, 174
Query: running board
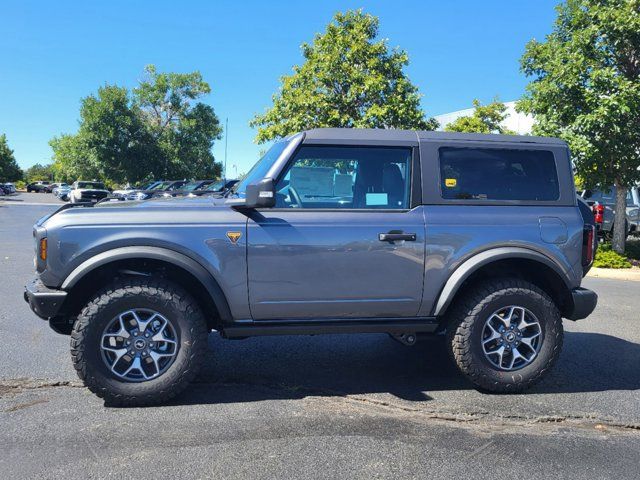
253, 328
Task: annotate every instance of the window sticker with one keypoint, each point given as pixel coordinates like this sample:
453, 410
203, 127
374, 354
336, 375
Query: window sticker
376, 199
450, 182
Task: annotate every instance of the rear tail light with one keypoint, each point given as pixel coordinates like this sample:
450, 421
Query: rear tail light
588, 245
598, 213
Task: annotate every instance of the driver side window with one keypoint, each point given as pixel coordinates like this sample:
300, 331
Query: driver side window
329, 177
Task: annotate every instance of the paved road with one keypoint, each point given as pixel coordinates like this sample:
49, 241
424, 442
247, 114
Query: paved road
322, 407
24, 199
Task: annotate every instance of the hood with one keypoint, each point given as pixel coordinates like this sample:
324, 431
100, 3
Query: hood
166, 202
166, 210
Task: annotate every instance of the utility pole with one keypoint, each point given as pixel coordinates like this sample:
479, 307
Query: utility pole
226, 141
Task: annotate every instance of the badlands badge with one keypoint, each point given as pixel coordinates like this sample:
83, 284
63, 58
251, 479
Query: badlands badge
234, 236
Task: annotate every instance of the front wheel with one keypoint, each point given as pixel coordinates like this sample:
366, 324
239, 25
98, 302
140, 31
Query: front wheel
139, 342
505, 335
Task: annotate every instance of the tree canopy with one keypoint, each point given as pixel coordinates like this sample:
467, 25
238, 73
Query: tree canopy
9, 169
38, 172
485, 119
585, 88
158, 130
348, 79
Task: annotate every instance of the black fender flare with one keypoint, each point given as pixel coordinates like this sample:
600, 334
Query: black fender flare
156, 253
477, 261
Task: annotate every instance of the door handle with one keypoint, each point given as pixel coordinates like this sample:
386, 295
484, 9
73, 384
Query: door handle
396, 237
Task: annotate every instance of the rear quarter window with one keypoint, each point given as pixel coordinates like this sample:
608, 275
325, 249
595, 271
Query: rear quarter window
498, 174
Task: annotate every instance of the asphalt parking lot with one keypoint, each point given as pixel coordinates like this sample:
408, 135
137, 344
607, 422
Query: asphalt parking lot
322, 407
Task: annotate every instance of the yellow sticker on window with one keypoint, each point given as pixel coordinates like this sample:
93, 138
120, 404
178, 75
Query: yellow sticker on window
450, 182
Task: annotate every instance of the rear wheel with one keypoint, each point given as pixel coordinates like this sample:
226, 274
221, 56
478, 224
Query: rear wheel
504, 335
139, 342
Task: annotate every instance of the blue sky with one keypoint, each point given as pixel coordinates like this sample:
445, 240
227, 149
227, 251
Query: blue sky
55, 53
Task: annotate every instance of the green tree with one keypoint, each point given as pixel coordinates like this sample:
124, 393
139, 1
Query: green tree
183, 131
113, 135
9, 169
39, 172
72, 159
585, 88
348, 79
158, 130
485, 119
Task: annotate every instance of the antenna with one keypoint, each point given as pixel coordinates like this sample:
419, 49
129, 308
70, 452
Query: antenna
226, 141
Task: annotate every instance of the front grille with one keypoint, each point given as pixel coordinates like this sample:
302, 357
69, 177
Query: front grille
93, 195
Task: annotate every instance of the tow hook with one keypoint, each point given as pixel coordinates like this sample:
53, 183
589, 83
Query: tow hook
408, 339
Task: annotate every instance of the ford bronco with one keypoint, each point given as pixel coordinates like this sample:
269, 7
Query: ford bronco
480, 238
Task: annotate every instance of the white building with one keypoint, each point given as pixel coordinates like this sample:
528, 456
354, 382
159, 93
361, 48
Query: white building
515, 121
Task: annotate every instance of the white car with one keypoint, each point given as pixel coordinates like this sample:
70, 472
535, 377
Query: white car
82, 192
123, 192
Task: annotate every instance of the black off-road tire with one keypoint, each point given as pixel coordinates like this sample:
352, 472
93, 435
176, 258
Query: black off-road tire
464, 333
162, 296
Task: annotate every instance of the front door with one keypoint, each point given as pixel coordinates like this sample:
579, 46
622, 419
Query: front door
342, 240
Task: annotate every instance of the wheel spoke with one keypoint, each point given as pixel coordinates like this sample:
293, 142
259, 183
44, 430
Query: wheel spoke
523, 324
118, 352
500, 353
503, 320
528, 341
123, 332
515, 356
156, 357
494, 334
143, 324
136, 365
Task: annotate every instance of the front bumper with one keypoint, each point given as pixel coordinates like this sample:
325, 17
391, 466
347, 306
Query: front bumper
44, 301
584, 303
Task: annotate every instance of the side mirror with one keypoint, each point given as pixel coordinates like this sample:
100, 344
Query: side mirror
261, 194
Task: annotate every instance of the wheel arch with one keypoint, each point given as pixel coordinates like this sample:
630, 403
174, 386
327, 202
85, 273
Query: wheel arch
147, 260
508, 261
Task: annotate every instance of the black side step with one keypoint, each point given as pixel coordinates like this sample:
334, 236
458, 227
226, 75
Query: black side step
331, 326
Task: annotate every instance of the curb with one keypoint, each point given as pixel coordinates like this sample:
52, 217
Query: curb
631, 274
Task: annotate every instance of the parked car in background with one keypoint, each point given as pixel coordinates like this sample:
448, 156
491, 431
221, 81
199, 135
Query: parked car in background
82, 191
129, 190
603, 203
121, 193
218, 188
37, 187
158, 187
56, 186
9, 188
62, 192
49, 188
186, 189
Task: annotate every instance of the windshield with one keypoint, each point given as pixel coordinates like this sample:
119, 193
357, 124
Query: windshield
96, 185
260, 169
191, 186
149, 186
160, 186
215, 186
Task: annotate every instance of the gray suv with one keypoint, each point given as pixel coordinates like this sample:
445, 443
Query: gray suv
479, 237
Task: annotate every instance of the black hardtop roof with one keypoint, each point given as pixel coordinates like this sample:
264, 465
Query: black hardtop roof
369, 134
